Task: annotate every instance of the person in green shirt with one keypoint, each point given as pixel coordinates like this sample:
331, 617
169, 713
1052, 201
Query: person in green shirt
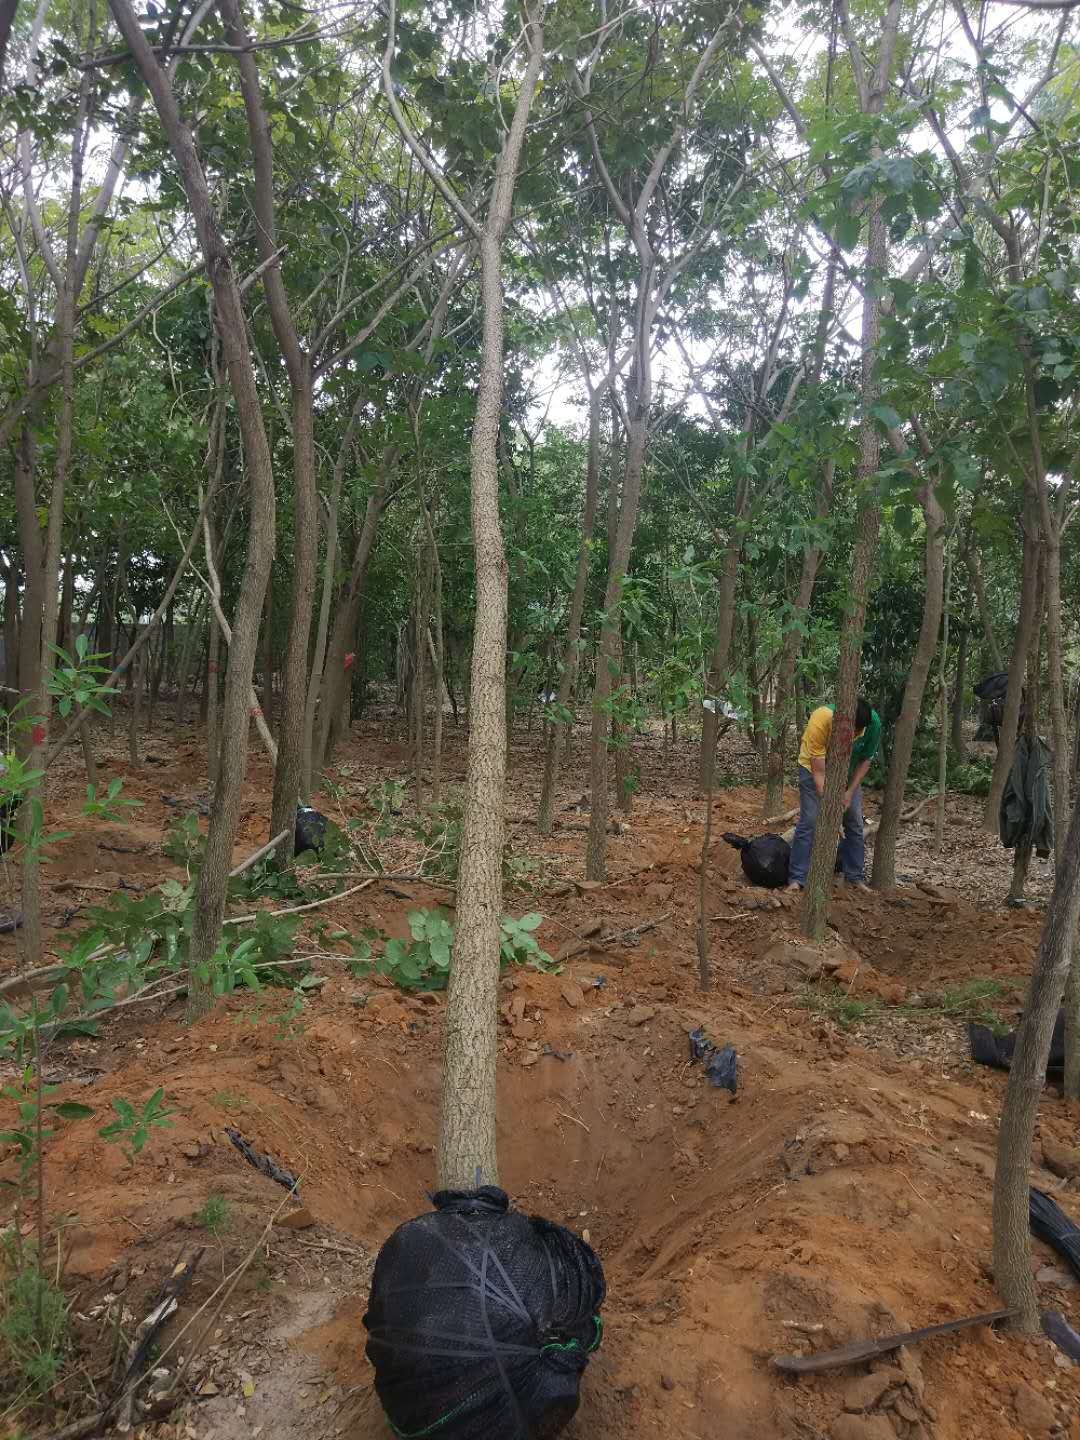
812, 753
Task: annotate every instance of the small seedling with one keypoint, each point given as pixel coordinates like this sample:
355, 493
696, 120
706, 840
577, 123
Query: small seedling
215, 1217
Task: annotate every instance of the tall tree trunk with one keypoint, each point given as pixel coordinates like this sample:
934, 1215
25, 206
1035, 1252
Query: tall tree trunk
187, 649
266, 697
867, 523
1023, 852
571, 649
288, 780
958, 740
322, 629
67, 605
943, 713
138, 676
1024, 1088
11, 625
347, 618
789, 655
467, 1142
884, 870
225, 811
973, 560
725, 627
1026, 622
607, 651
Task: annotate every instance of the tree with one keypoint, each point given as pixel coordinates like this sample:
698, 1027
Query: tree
229, 312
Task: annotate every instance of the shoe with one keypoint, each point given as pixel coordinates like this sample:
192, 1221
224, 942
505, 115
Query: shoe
857, 885
793, 885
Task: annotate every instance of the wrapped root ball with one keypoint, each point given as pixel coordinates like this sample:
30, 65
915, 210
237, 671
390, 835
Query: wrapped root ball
481, 1321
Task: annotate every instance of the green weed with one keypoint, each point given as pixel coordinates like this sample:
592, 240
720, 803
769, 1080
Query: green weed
834, 1003
33, 1321
215, 1217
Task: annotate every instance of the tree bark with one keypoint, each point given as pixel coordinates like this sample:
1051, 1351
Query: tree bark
1024, 1087
867, 523
789, 656
467, 1141
884, 869
958, 740
974, 564
347, 616
288, 781
571, 649
607, 652
1026, 622
225, 811
266, 698
322, 629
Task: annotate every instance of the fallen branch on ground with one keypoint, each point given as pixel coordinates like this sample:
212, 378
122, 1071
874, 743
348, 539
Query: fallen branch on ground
603, 942
297, 909
168, 1302
258, 855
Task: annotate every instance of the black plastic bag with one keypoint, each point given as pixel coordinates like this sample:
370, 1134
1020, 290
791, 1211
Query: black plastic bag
721, 1066
992, 687
766, 860
481, 1321
997, 1050
310, 829
1050, 1223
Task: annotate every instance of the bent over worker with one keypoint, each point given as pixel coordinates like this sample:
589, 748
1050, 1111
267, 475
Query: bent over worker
812, 753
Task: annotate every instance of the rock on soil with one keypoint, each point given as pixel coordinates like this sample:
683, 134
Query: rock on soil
1035, 1414
865, 1391
862, 1427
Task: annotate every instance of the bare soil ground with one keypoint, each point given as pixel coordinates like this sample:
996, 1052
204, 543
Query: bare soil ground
845, 1192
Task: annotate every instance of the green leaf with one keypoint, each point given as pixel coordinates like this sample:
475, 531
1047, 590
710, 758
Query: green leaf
72, 1110
848, 229
886, 415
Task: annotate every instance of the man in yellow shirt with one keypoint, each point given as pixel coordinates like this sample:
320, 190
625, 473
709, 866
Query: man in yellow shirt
812, 753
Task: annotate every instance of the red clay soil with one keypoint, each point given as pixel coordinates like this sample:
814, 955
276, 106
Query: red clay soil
844, 1193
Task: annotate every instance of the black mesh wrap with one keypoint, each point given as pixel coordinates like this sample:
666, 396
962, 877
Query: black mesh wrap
481, 1321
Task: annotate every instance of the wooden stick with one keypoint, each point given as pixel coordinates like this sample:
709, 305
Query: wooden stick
602, 942
860, 1350
167, 1304
258, 855
297, 909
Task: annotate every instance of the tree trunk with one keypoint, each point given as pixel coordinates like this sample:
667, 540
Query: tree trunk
789, 656
607, 653
187, 649
67, 605
288, 781
867, 522
266, 698
1022, 854
1026, 622
467, 1141
225, 811
725, 629
347, 617
884, 870
135, 711
973, 561
571, 651
1024, 1088
11, 625
322, 629
958, 740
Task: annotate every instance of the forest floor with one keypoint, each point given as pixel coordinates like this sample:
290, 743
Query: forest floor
844, 1193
